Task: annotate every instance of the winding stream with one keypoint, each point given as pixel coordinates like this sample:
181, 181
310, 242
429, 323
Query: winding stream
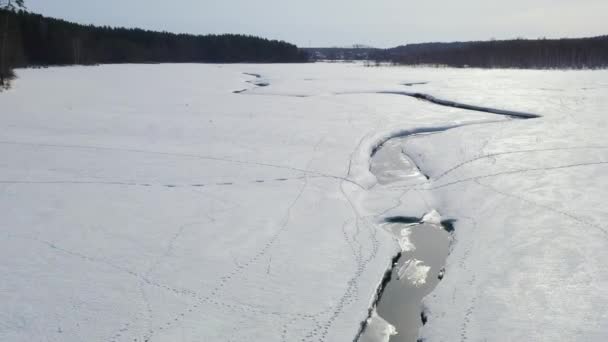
425, 242
413, 277
425, 245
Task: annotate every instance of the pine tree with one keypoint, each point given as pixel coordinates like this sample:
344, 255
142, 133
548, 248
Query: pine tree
10, 6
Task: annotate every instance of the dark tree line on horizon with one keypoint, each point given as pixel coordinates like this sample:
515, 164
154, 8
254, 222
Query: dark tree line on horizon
29, 39
573, 53
6, 7
576, 53
35, 40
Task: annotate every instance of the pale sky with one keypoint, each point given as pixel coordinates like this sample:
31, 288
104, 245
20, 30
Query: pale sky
379, 23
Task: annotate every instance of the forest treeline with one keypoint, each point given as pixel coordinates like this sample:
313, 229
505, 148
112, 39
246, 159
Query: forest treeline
579, 53
35, 40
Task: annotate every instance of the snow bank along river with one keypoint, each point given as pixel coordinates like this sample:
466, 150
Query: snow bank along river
184, 211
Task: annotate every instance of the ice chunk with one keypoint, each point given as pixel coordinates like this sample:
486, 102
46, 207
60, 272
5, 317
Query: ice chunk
432, 217
377, 329
414, 271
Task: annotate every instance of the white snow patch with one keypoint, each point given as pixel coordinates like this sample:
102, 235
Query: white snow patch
404, 240
433, 217
377, 329
414, 271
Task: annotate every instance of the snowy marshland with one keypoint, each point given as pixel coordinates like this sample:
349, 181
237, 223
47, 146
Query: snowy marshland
237, 202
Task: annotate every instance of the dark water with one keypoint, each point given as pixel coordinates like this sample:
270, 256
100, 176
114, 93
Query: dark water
420, 266
391, 165
401, 301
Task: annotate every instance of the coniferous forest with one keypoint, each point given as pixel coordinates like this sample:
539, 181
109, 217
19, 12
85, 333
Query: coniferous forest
35, 40
30, 39
573, 53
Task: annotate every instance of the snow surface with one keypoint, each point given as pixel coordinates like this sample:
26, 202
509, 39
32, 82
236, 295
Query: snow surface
150, 202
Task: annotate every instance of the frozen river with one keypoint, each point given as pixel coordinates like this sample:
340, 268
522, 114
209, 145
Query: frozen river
239, 202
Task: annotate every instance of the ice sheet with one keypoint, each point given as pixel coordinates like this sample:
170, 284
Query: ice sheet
150, 202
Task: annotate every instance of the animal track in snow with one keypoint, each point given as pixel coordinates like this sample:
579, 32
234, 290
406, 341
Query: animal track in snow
121, 183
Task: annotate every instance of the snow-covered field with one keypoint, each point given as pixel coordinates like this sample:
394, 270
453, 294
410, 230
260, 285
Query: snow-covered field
151, 203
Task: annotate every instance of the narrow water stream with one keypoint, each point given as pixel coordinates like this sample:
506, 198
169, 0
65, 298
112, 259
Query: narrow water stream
416, 274
391, 165
398, 314
425, 247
